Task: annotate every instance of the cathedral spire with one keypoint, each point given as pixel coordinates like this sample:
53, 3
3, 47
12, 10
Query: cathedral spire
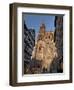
42, 28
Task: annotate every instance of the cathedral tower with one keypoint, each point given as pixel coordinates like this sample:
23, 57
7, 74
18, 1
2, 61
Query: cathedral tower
41, 32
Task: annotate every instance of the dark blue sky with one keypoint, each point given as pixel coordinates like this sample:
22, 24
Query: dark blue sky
35, 20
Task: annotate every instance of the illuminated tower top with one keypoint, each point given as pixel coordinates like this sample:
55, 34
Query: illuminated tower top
42, 28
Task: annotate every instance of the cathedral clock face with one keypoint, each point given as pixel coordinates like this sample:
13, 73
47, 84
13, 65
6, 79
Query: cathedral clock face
43, 43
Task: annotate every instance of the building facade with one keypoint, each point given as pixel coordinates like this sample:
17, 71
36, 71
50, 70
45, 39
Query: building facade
45, 49
57, 65
29, 43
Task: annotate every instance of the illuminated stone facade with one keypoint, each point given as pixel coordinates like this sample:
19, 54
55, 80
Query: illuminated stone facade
45, 50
